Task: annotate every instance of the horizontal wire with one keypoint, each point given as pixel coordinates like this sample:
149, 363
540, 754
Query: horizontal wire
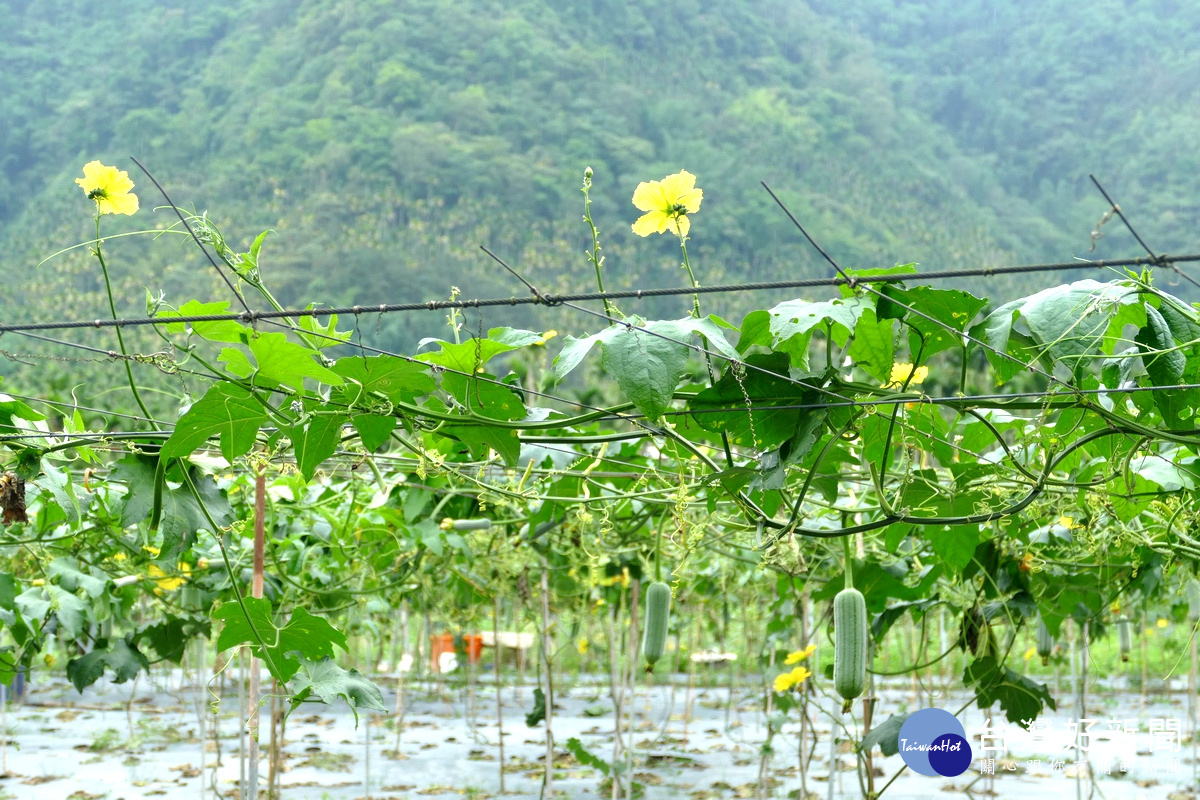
551, 300
948, 400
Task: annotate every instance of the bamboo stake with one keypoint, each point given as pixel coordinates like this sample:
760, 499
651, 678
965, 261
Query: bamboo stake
616, 688
496, 672
3, 730
632, 666
256, 591
273, 764
804, 731
547, 655
400, 674
241, 715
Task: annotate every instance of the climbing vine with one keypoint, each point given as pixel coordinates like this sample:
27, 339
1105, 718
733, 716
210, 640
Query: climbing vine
1014, 463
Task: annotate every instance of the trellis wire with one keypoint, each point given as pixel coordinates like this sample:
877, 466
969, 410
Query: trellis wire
551, 300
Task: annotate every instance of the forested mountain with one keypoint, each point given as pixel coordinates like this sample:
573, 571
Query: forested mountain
1047, 92
384, 142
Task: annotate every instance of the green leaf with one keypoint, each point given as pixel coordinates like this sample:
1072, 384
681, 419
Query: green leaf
1021, 698
8, 590
756, 330
888, 617
954, 544
682, 330
322, 336
646, 368
1069, 324
171, 637
182, 516
125, 661
472, 354
373, 429
287, 363
88, 668
240, 627
11, 410
878, 582
58, 483
482, 439
873, 348
33, 603
1165, 365
236, 362
122, 657
328, 681
886, 735
316, 440
230, 331
68, 575
952, 311
71, 611
1171, 477
484, 397
310, 637
538, 712
588, 759
722, 406
793, 322
396, 379
574, 350
228, 411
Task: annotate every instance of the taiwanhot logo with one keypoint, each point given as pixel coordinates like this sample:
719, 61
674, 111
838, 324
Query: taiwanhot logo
933, 742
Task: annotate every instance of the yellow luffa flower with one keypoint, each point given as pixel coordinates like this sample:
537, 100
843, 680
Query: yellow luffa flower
901, 373
667, 204
165, 582
800, 655
109, 187
790, 680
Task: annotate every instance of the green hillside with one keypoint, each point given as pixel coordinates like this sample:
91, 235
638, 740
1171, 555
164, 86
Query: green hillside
384, 143
1050, 91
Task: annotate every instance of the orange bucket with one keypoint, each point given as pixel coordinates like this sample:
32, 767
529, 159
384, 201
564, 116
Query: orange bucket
441, 643
474, 646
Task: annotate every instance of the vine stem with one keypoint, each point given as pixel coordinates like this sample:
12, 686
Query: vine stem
594, 254
98, 250
687, 266
658, 554
849, 553
239, 597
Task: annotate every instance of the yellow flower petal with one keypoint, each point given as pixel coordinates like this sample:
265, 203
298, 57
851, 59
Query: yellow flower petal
680, 190
680, 224
783, 681
800, 655
901, 372
648, 196
109, 187
1162, 623
667, 204
650, 222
